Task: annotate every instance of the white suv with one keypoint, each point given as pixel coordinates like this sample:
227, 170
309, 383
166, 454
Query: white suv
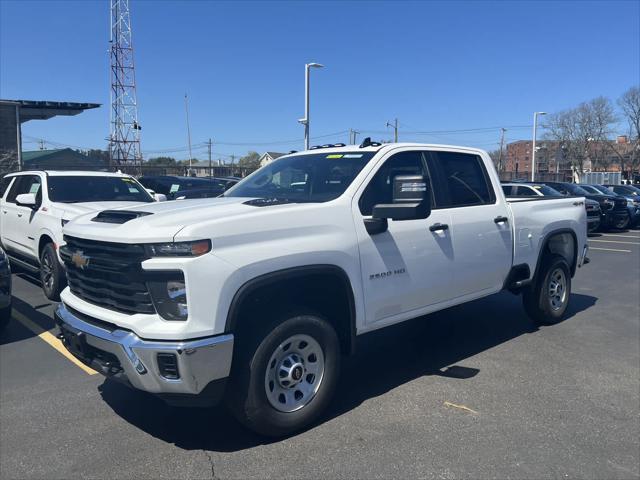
34, 205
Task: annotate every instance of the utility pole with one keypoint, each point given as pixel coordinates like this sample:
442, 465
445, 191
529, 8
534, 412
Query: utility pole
210, 168
395, 129
186, 108
352, 136
125, 128
501, 147
41, 142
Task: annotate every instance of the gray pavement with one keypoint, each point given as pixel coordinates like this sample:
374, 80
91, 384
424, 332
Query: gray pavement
474, 391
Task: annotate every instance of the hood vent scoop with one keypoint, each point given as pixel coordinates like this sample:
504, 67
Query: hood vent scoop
118, 216
266, 202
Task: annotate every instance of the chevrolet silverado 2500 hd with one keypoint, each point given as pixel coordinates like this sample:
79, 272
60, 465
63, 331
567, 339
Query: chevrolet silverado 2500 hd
36, 204
255, 295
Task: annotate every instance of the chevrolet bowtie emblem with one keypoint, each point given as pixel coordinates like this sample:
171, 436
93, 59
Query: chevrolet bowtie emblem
80, 260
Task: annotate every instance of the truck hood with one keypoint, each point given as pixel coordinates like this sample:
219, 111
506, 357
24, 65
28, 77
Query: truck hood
69, 211
161, 221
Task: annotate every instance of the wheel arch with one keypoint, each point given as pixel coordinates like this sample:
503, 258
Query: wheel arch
554, 242
299, 284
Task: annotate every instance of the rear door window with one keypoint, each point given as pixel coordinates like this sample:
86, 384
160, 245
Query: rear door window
465, 179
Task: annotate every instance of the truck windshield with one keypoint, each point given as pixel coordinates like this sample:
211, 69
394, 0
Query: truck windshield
79, 189
316, 177
576, 190
547, 191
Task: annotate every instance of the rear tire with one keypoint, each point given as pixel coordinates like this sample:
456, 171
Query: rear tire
283, 379
547, 299
51, 273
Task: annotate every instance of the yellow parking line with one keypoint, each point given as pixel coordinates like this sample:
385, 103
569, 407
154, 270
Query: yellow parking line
51, 340
613, 241
610, 249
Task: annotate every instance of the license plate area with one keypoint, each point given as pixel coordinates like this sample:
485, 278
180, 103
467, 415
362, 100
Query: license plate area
76, 342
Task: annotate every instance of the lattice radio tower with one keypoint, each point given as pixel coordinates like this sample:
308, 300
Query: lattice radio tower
124, 141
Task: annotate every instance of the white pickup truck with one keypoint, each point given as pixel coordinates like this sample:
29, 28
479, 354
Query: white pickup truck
257, 294
34, 205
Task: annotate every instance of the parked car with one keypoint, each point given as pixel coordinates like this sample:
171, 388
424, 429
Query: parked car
36, 205
520, 189
196, 193
631, 194
174, 186
613, 209
255, 295
5, 290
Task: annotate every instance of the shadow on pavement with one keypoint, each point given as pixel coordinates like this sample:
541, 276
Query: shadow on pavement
16, 331
384, 360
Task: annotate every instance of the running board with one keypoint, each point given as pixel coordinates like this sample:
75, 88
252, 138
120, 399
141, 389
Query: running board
21, 263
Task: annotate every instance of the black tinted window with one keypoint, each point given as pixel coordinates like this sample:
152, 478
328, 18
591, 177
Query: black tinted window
24, 184
507, 189
77, 189
380, 188
465, 179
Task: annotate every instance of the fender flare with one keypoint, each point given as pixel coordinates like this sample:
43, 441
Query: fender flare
286, 274
545, 242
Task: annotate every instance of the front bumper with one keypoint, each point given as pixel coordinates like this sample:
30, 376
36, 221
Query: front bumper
122, 355
593, 222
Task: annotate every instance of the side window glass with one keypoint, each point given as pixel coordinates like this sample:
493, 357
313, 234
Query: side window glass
523, 191
380, 188
507, 189
4, 184
466, 179
25, 184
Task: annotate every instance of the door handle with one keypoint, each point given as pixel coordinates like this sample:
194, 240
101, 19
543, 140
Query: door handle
438, 227
500, 220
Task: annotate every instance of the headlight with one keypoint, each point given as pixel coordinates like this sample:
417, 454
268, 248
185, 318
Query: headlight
179, 249
170, 299
630, 203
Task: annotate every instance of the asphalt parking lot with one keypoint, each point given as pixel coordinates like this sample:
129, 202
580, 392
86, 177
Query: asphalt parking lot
474, 391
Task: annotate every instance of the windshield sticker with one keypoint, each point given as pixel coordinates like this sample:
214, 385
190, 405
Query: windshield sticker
353, 155
335, 156
34, 188
174, 188
133, 190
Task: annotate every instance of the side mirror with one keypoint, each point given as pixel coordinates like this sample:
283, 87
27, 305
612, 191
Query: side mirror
160, 197
411, 201
26, 200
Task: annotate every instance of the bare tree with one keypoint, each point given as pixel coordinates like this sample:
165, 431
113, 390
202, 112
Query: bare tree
629, 103
583, 131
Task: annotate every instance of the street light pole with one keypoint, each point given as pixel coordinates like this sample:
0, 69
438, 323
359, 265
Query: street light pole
533, 150
305, 120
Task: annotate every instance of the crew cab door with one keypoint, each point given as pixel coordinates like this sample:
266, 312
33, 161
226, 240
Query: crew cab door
18, 221
480, 229
407, 267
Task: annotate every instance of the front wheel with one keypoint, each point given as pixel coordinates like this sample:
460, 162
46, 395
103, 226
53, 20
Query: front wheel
547, 299
282, 382
51, 273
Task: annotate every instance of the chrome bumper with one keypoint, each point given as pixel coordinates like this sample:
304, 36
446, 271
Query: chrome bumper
123, 355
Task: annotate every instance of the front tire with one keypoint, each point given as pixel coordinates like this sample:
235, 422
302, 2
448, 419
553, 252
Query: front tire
283, 380
51, 273
547, 299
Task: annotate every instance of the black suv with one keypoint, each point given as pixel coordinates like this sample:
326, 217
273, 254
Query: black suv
614, 212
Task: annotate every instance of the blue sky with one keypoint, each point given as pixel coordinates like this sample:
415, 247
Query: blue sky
436, 66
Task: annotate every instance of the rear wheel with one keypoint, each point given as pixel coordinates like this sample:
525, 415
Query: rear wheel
547, 299
51, 273
283, 381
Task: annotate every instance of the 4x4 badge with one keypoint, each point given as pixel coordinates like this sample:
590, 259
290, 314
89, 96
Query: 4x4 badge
79, 260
